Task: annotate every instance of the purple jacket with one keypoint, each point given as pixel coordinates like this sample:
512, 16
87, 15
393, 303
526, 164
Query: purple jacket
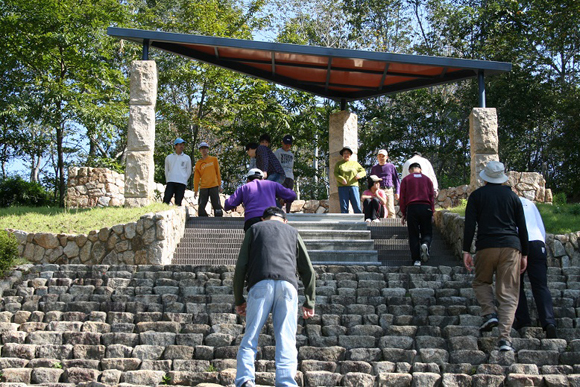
388, 173
257, 195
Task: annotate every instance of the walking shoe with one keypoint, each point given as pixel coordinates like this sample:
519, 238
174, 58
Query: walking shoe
551, 332
490, 322
248, 383
424, 252
376, 220
505, 346
368, 220
417, 263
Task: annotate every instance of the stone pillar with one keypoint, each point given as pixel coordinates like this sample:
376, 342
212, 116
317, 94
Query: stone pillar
342, 132
484, 142
141, 134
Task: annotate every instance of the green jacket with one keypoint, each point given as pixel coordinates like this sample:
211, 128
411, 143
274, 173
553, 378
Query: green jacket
348, 170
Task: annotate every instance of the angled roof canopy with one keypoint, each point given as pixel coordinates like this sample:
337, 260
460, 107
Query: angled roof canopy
338, 74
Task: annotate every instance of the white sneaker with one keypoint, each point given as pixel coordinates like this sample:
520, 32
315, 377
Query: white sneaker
377, 220
368, 220
424, 252
417, 263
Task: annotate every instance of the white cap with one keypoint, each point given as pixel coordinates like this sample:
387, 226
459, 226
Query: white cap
257, 172
202, 144
383, 152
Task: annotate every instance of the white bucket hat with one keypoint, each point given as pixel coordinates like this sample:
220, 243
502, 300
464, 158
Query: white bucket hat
494, 173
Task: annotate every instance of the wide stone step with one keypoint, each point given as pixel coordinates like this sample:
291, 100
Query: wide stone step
338, 245
344, 257
343, 225
308, 234
325, 217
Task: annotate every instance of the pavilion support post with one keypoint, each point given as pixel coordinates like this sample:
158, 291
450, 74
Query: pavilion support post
342, 132
484, 142
141, 134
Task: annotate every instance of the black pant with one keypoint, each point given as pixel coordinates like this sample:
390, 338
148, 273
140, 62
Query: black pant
419, 227
538, 274
174, 188
250, 222
214, 195
373, 209
288, 183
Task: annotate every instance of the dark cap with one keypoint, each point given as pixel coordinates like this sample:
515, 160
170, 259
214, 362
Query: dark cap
346, 148
287, 139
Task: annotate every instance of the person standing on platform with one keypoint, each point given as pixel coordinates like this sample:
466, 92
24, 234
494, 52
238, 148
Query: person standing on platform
266, 161
286, 158
177, 173
502, 248
389, 180
537, 273
208, 181
417, 203
347, 174
426, 169
264, 140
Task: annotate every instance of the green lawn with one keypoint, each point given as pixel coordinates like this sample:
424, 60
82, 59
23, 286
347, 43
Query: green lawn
558, 219
71, 221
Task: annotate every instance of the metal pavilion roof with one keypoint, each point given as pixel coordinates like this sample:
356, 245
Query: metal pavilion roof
333, 73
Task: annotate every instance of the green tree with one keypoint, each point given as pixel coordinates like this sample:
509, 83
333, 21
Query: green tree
59, 54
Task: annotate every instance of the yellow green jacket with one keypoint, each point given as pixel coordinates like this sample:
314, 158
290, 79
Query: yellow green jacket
348, 170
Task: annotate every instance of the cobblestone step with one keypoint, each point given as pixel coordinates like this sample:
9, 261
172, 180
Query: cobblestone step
374, 325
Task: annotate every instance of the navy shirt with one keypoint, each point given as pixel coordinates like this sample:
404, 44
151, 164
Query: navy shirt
267, 161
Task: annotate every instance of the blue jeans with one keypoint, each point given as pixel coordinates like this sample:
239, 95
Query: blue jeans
277, 177
281, 298
349, 193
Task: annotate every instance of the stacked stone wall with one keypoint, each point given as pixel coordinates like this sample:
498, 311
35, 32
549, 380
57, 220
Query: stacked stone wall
95, 187
530, 185
151, 240
563, 250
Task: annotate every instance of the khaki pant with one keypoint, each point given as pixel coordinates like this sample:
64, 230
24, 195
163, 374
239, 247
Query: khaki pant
505, 262
390, 202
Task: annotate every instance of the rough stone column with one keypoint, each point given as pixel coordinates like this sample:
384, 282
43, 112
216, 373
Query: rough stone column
342, 132
141, 134
484, 142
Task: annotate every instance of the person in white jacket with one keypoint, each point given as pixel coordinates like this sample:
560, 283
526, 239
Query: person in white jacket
537, 273
426, 169
177, 173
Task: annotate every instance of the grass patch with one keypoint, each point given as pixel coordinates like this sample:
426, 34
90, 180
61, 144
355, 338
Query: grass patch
71, 221
558, 219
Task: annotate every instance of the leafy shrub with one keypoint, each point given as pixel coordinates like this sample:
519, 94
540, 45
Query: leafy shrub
8, 251
559, 198
15, 191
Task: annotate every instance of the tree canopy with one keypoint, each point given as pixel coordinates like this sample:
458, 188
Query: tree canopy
64, 95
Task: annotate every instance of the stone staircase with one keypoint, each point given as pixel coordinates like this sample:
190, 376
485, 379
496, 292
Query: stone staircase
79, 325
329, 238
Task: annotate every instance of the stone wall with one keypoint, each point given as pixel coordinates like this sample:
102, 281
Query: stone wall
151, 240
95, 187
563, 250
530, 185
302, 206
